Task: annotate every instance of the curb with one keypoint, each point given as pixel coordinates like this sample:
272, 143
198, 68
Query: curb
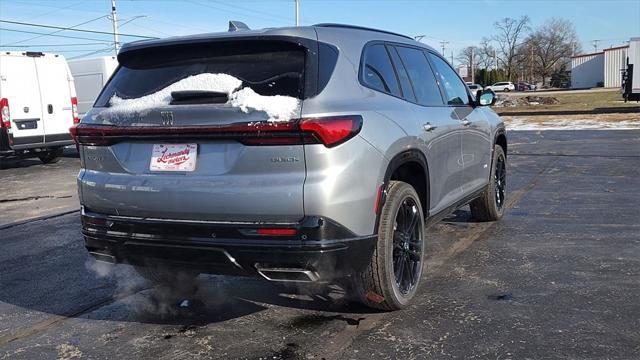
39, 218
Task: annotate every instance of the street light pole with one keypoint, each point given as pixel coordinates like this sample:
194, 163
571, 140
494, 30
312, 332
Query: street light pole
297, 12
114, 21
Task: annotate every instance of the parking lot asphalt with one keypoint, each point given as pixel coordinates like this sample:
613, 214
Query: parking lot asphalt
558, 277
29, 189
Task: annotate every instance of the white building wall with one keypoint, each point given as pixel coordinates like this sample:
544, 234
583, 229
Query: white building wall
587, 70
615, 60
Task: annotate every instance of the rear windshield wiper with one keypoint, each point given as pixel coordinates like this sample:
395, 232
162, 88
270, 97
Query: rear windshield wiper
185, 97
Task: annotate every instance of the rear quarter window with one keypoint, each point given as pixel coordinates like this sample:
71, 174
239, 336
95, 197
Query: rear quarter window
377, 71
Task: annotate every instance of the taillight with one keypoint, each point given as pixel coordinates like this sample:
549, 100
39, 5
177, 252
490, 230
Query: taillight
5, 114
332, 131
74, 110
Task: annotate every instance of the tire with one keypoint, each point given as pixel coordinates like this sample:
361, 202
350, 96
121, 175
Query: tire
52, 156
490, 205
506, 90
377, 286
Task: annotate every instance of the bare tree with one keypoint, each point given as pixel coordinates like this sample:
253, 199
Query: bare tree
486, 54
469, 56
510, 32
550, 46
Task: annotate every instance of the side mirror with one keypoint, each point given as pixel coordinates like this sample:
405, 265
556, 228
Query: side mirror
487, 97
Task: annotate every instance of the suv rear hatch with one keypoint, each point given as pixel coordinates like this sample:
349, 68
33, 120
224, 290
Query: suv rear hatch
199, 131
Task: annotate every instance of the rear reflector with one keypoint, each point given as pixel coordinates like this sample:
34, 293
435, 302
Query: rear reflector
266, 231
5, 114
330, 131
74, 110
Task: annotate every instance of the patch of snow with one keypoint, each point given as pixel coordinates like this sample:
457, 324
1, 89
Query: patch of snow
210, 82
577, 124
278, 107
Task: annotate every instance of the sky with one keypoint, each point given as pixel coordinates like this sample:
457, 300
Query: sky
460, 23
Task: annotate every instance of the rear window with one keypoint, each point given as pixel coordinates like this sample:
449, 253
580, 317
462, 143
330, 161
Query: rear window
378, 72
269, 68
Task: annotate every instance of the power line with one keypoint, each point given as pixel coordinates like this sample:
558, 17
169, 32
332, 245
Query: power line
55, 35
69, 29
91, 53
234, 12
252, 10
57, 31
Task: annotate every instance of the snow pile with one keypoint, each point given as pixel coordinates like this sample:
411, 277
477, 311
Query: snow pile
578, 124
278, 107
211, 82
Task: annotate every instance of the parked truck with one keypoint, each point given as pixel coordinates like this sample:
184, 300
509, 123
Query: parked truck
631, 75
90, 76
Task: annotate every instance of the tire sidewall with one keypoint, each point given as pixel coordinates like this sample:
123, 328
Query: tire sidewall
397, 196
497, 153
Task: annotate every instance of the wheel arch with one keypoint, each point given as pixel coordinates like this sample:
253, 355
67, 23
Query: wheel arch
411, 167
501, 139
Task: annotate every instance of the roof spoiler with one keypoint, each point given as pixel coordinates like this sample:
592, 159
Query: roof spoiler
237, 26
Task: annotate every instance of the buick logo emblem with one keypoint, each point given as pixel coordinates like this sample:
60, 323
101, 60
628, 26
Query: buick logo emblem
167, 118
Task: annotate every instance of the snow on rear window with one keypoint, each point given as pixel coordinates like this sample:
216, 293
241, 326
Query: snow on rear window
277, 107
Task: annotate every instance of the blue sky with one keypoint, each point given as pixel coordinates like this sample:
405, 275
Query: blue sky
461, 23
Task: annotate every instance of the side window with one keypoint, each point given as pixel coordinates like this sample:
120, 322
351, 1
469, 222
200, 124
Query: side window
454, 89
405, 82
378, 72
421, 76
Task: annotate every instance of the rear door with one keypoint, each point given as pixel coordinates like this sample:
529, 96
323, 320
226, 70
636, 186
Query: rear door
435, 125
19, 82
476, 136
55, 90
232, 179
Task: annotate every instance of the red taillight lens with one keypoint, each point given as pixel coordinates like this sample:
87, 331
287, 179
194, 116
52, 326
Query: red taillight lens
332, 131
266, 231
74, 110
5, 114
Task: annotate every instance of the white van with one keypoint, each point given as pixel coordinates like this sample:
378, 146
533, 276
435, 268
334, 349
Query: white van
89, 76
38, 105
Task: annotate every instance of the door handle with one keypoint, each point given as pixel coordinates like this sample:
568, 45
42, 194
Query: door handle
428, 127
466, 122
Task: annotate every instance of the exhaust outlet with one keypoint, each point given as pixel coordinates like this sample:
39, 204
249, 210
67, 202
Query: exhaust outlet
287, 274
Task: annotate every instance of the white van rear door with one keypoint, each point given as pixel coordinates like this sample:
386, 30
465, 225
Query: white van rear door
56, 96
19, 83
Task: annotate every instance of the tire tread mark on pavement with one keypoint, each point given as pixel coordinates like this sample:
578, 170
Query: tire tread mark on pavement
52, 321
343, 340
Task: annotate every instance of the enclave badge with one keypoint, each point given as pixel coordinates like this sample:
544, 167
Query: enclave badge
167, 118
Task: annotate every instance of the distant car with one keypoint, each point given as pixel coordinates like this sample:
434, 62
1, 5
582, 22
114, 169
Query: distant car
523, 86
474, 88
501, 86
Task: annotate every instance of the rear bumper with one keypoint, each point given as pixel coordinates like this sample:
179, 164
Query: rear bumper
320, 246
17, 146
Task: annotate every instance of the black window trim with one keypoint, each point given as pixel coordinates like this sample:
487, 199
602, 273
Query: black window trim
392, 43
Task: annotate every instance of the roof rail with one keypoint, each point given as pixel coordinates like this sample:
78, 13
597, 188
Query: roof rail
345, 26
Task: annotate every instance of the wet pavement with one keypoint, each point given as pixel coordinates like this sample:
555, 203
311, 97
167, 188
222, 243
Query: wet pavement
558, 277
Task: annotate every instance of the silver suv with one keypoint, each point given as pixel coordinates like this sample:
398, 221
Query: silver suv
305, 154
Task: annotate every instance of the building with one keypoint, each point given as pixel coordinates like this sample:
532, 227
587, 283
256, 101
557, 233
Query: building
587, 70
615, 61
599, 69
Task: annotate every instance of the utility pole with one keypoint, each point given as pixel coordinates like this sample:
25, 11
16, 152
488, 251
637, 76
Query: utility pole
451, 57
297, 12
473, 74
495, 58
114, 21
443, 44
595, 45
